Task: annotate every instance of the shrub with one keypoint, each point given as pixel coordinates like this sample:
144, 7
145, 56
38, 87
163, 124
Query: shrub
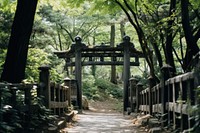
110, 88
89, 90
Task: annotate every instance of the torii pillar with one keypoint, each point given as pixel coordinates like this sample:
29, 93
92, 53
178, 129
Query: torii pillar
78, 45
126, 44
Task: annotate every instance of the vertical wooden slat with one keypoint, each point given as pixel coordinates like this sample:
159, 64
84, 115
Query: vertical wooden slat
1, 88
13, 99
189, 101
158, 96
138, 96
174, 103
169, 112
146, 102
58, 86
54, 97
28, 97
181, 103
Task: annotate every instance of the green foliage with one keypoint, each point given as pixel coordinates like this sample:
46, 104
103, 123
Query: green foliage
5, 27
111, 89
89, 89
6, 17
40, 119
97, 89
9, 118
2, 58
61, 25
14, 120
38, 57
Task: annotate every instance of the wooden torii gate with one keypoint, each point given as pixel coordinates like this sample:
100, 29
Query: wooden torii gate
81, 55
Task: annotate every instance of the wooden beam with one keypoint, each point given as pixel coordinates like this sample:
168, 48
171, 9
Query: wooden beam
95, 51
102, 63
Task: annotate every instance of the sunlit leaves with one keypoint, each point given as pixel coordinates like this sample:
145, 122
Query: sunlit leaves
36, 58
195, 4
8, 5
6, 16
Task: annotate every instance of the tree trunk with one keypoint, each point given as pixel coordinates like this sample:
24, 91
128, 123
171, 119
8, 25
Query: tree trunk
192, 47
122, 33
169, 38
122, 30
93, 66
157, 53
15, 63
112, 44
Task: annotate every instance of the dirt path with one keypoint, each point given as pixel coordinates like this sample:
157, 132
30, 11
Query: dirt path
103, 117
95, 122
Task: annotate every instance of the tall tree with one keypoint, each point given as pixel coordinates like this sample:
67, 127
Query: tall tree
169, 38
15, 63
191, 39
112, 43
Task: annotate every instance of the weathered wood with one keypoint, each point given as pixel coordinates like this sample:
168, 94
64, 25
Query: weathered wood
133, 93
166, 74
106, 52
152, 83
110, 54
45, 84
174, 98
79, 50
138, 96
54, 104
178, 100
157, 108
78, 70
126, 69
144, 108
86, 63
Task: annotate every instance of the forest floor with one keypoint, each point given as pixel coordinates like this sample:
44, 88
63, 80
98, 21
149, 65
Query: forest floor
109, 105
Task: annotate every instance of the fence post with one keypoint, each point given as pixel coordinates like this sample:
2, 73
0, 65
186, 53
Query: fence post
44, 86
132, 97
13, 99
152, 83
166, 71
67, 82
139, 88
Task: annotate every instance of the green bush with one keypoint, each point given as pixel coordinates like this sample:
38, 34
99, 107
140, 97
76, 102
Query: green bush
89, 90
108, 87
13, 119
10, 119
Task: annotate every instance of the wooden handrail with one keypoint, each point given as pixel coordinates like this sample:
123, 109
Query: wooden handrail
180, 97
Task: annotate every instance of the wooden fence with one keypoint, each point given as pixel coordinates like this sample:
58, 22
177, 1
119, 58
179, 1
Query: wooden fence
59, 98
173, 99
23, 97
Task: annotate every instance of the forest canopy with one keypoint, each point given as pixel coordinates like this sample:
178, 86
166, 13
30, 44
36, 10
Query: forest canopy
167, 32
